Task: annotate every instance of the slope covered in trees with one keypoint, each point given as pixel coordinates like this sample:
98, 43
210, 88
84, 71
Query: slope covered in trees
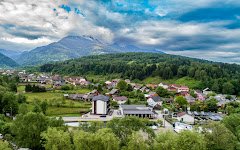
220, 77
7, 62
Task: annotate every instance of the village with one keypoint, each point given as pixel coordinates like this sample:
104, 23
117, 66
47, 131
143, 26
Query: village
121, 97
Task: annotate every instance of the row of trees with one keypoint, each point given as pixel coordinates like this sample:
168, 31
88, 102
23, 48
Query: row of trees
36, 131
34, 88
220, 77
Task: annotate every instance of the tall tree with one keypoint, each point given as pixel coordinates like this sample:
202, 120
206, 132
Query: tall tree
137, 142
219, 137
191, 141
4, 145
55, 139
122, 85
165, 141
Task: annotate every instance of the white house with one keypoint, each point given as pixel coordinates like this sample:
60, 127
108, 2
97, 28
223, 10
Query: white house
182, 89
100, 105
154, 101
207, 91
186, 118
163, 85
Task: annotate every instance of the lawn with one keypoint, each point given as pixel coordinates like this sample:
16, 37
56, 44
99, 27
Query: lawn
21, 89
76, 90
102, 78
61, 111
58, 105
43, 96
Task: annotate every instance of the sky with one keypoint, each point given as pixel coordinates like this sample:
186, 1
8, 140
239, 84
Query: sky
206, 29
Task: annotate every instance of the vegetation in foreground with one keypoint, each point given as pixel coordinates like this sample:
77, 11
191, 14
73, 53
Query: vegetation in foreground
129, 133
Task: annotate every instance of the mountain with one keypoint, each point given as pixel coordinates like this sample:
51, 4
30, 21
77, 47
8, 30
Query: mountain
6, 62
72, 47
10, 53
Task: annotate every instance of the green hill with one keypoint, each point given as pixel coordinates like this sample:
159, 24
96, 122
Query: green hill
6, 62
220, 77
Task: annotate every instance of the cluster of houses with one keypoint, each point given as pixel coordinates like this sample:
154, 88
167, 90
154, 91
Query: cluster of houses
101, 103
7, 72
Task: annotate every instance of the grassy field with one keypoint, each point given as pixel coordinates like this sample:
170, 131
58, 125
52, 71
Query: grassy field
58, 105
61, 111
76, 90
20, 88
102, 78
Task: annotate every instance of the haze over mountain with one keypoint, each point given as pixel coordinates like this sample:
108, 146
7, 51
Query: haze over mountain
10, 53
6, 62
74, 47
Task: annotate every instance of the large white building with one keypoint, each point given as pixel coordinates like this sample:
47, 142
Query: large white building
100, 105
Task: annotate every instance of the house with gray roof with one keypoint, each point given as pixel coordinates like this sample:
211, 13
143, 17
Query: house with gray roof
137, 110
154, 101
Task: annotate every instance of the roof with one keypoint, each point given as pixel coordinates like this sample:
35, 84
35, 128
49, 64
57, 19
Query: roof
94, 91
156, 98
181, 114
113, 91
101, 98
120, 98
136, 109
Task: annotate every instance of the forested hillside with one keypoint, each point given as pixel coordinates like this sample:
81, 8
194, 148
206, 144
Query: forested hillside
7, 62
220, 77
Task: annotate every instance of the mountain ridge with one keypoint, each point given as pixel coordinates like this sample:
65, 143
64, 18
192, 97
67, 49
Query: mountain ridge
71, 47
6, 62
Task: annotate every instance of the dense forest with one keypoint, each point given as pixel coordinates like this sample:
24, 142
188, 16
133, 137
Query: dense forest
220, 77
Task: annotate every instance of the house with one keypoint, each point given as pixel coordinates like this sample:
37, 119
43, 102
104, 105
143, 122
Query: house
154, 101
94, 92
144, 89
100, 105
190, 99
223, 99
77, 81
120, 99
200, 95
137, 110
207, 91
152, 86
136, 86
113, 92
182, 89
177, 88
150, 94
184, 93
128, 81
186, 118
76, 96
88, 97
172, 88
163, 85
57, 81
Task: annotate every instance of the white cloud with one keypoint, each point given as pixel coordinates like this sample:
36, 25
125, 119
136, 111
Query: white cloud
22, 19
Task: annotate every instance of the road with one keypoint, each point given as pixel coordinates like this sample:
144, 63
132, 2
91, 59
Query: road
81, 119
